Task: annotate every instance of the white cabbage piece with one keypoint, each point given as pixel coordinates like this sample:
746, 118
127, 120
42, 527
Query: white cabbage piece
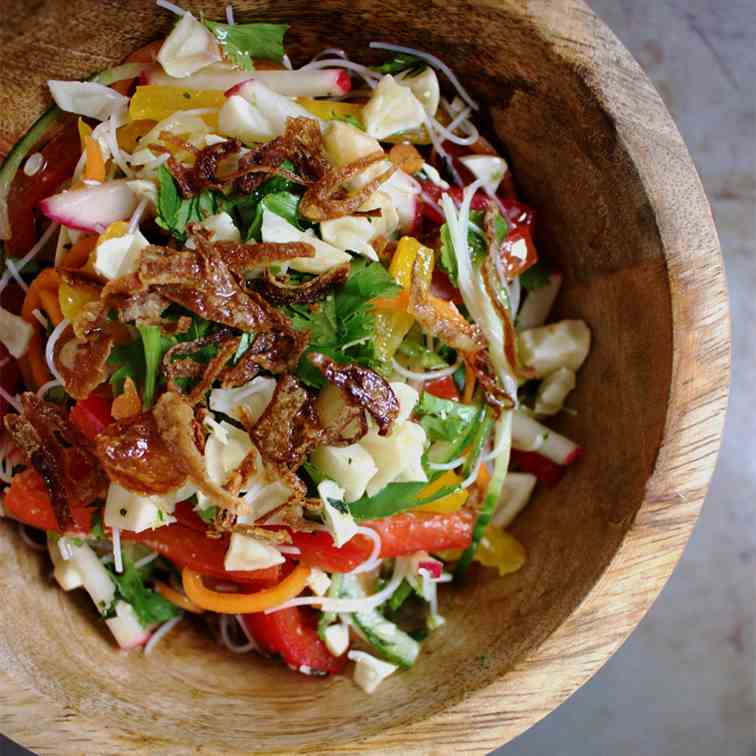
253, 397
351, 467
490, 168
119, 255
189, 47
550, 347
553, 390
392, 109
87, 98
248, 553
425, 87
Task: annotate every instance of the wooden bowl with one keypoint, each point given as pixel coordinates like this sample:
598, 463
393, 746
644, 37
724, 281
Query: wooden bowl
622, 211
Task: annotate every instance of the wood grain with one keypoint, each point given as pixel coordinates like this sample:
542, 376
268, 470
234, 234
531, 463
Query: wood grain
622, 210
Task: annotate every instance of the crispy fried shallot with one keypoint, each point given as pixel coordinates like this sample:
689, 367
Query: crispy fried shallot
289, 426
82, 363
175, 422
248, 259
59, 452
437, 316
136, 457
361, 387
275, 351
326, 199
279, 292
496, 397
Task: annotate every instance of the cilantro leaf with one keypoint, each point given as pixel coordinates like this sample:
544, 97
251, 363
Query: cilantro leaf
444, 419
536, 276
150, 606
243, 42
175, 213
395, 498
342, 325
128, 359
477, 242
402, 62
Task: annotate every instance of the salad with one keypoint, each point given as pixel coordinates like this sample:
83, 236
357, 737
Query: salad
275, 349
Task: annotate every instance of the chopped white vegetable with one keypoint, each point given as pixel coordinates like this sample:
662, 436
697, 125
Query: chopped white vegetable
259, 114
489, 168
341, 525
145, 189
188, 48
318, 581
225, 449
95, 578
65, 571
514, 497
550, 347
403, 192
392, 109
370, 672
178, 123
249, 400
397, 456
434, 176
344, 144
407, 397
221, 227
553, 391
119, 256
538, 303
125, 626
248, 553
351, 467
15, 333
87, 98
127, 510
350, 232
529, 435
278, 229
425, 87
337, 638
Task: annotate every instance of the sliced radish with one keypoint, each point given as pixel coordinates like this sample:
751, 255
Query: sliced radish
531, 436
93, 208
514, 497
404, 193
326, 82
537, 306
126, 628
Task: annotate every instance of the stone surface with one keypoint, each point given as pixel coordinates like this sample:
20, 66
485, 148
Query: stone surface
683, 684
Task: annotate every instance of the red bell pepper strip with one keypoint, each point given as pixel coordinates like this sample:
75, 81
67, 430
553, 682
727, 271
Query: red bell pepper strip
293, 634
91, 415
28, 501
544, 469
400, 534
443, 388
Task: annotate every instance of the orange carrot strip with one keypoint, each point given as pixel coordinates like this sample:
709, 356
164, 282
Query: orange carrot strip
51, 305
176, 598
398, 303
243, 603
469, 384
95, 169
77, 256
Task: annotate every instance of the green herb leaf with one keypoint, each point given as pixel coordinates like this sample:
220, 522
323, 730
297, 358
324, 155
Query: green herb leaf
420, 357
174, 213
150, 606
395, 498
243, 42
152, 344
402, 62
445, 419
536, 277
128, 359
208, 513
343, 325
476, 241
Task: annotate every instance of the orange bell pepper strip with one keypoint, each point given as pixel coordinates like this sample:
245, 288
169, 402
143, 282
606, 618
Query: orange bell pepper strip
95, 163
243, 603
469, 384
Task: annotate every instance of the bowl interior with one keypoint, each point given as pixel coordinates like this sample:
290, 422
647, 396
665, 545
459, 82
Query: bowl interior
594, 221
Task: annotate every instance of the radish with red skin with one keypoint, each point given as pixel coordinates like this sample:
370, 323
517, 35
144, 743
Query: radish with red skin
433, 568
324, 82
93, 208
531, 436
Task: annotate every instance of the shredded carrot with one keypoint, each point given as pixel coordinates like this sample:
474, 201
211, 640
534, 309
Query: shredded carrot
483, 479
51, 305
398, 303
48, 279
469, 384
243, 603
95, 170
77, 256
176, 598
128, 403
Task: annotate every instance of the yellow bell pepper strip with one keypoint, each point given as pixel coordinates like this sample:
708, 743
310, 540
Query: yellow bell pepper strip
448, 504
243, 603
469, 384
129, 134
393, 323
176, 598
154, 102
501, 550
85, 130
71, 299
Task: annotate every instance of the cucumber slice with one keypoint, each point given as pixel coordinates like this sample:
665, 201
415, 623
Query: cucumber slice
391, 642
23, 147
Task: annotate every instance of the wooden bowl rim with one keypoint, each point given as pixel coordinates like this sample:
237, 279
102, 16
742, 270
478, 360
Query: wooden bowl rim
485, 719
